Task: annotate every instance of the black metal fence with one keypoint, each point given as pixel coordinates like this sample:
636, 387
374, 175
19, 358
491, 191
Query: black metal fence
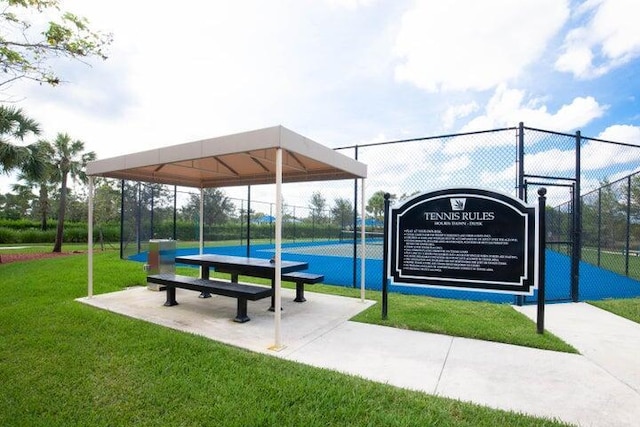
600, 227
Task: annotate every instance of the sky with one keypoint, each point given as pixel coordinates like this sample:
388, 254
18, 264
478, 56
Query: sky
345, 72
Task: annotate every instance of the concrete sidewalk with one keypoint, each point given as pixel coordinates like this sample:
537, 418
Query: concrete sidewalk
598, 388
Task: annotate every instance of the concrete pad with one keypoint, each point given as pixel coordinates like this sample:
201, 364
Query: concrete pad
408, 359
537, 382
213, 317
610, 341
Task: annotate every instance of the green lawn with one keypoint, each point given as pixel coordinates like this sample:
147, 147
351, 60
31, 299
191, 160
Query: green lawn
613, 260
629, 308
63, 363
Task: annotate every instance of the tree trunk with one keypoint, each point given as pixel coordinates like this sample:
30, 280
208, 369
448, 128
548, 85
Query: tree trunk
44, 207
63, 206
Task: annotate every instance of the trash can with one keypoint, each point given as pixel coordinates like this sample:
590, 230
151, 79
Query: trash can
161, 259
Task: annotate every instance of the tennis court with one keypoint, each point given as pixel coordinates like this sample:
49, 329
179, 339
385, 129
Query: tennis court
334, 259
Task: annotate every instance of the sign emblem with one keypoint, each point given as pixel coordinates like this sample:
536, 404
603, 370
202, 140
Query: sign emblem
457, 204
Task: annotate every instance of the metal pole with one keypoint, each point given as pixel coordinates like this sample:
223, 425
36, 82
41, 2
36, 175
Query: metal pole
627, 243
122, 219
363, 257
138, 216
278, 255
521, 188
599, 223
521, 160
90, 241
201, 222
577, 227
241, 212
248, 221
385, 257
541, 257
175, 212
355, 222
152, 232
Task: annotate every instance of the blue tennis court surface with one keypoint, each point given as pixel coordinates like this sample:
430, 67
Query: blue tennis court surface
335, 261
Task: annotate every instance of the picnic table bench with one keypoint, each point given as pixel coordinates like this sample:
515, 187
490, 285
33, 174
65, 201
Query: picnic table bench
241, 292
300, 278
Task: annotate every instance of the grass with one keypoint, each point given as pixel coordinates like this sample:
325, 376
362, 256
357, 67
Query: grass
484, 321
629, 308
63, 363
614, 261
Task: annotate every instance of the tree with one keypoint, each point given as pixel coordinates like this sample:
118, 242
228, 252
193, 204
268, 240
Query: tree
106, 205
375, 204
612, 215
217, 207
342, 211
14, 127
317, 204
40, 179
70, 161
16, 206
25, 48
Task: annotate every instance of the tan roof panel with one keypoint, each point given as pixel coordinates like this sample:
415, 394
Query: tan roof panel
239, 159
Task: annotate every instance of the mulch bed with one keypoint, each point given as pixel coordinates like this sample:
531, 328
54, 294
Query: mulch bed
7, 258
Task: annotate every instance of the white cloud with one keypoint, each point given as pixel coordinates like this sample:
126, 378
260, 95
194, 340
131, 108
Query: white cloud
508, 107
456, 164
390, 167
470, 44
350, 4
622, 133
595, 156
458, 112
608, 39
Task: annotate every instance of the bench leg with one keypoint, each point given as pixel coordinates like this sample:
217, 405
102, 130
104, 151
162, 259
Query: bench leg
171, 297
273, 302
241, 313
273, 296
205, 275
300, 292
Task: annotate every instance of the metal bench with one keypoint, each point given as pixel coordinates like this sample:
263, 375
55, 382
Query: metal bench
241, 292
300, 278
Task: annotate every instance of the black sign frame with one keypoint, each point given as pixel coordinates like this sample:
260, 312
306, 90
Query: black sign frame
464, 238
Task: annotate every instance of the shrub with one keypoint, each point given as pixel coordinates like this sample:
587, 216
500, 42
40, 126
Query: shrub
8, 236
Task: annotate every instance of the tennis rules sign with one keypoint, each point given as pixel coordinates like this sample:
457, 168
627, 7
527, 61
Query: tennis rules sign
465, 238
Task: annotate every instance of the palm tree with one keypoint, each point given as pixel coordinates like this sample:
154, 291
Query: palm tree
69, 161
44, 182
15, 126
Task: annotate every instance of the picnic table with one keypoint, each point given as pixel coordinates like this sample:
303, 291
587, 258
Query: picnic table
255, 267
238, 265
235, 266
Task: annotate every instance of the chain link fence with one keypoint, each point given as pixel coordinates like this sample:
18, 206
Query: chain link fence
319, 219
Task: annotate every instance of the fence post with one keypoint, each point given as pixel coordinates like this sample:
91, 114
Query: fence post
521, 187
599, 223
122, 199
576, 249
628, 242
385, 257
248, 221
521, 160
542, 237
175, 212
355, 224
